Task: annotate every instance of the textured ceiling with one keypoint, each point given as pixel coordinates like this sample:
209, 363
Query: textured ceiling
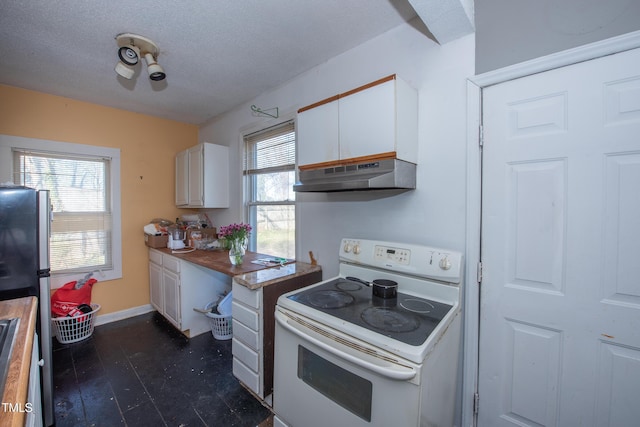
217, 54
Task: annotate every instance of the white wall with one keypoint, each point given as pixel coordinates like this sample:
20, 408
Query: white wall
432, 214
509, 32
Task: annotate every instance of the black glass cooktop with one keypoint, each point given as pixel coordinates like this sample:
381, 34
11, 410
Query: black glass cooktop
407, 318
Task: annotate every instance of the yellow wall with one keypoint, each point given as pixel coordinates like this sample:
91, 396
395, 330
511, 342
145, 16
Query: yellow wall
147, 148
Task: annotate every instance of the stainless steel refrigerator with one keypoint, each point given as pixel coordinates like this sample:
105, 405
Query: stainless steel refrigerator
25, 219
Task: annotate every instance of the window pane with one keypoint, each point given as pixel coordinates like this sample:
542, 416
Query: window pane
273, 148
269, 169
82, 223
75, 185
275, 187
82, 251
276, 230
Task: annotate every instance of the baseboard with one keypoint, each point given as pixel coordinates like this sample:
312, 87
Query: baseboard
123, 314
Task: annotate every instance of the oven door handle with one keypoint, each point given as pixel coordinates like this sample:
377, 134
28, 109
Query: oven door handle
395, 372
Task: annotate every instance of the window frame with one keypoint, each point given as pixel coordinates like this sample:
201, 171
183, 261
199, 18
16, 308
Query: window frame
249, 181
10, 143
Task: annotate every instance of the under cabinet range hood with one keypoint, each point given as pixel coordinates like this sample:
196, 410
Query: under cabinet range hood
386, 174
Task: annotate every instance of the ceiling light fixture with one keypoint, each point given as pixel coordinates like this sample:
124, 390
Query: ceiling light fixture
156, 72
129, 54
130, 48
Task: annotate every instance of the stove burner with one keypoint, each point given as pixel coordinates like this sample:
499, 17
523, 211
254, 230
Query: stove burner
389, 320
348, 286
417, 305
330, 299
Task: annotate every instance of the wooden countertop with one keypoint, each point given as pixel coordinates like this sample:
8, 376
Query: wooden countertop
269, 276
248, 274
17, 385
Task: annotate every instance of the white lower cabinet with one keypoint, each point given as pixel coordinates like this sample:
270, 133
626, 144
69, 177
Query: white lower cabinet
155, 281
247, 345
34, 412
176, 287
171, 296
254, 329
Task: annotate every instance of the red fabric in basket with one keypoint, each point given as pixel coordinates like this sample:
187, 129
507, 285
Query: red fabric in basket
66, 298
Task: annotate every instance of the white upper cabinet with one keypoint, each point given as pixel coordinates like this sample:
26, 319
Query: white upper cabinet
182, 178
380, 118
195, 195
202, 177
367, 121
318, 134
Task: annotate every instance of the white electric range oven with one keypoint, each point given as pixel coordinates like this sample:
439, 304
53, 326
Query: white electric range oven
346, 357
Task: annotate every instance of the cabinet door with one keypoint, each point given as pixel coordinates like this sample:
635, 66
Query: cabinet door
367, 121
196, 176
171, 288
216, 176
33, 418
182, 178
155, 286
318, 134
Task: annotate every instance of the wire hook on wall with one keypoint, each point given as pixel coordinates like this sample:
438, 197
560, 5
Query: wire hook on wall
269, 112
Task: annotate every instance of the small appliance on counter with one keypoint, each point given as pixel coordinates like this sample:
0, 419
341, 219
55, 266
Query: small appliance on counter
176, 237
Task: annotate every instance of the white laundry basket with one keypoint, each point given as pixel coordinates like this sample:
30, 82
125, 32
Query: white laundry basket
221, 324
73, 329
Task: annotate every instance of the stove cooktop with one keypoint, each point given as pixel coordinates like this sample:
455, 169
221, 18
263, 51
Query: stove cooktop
407, 318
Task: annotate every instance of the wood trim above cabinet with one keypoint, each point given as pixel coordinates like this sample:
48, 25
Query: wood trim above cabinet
351, 161
345, 94
319, 103
368, 85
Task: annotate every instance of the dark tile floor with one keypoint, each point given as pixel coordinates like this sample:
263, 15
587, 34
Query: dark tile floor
142, 372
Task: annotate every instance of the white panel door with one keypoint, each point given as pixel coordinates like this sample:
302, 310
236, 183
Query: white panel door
560, 296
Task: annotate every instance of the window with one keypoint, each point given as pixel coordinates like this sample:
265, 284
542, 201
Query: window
269, 169
79, 192
84, 187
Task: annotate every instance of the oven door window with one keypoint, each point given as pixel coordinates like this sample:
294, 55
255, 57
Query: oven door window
348, 390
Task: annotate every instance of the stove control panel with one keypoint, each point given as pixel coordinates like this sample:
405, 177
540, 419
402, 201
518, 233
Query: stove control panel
411, 259
392, 255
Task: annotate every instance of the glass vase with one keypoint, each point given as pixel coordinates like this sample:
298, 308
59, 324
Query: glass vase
237, 249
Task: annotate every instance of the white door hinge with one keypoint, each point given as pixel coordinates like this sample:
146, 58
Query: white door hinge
479, 274
481, 135
476, 403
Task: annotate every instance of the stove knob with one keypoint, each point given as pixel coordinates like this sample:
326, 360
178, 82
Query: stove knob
347, 247
356, 249
444, 263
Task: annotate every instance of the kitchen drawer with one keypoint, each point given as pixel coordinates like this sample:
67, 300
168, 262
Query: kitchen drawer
171, 263
247, 356
246, 375
155, 257
246, 315
246, 335
246, 295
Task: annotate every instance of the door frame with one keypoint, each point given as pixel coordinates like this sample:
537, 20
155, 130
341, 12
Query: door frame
475, 86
